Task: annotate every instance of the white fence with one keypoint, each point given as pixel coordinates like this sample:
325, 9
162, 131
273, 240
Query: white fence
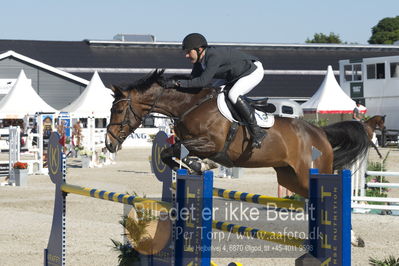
12, 137
358, 196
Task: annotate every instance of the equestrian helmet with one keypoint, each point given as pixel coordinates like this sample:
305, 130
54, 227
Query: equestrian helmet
194, 41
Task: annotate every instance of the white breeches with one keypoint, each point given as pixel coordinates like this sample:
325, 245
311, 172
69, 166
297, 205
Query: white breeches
247, 83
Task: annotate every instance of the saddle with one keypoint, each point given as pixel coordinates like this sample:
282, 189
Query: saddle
263, 110
262, 114
261, 105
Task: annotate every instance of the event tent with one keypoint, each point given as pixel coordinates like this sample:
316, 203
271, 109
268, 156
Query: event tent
96, 100
22, 100
330, 100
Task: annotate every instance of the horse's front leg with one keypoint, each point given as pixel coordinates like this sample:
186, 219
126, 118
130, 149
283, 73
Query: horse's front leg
168, 154
199, 147
174, 151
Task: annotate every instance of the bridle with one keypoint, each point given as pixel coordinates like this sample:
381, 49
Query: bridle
130, 111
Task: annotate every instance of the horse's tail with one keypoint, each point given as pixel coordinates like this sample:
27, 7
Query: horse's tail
349, 141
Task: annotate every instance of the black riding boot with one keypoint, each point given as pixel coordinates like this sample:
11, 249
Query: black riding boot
246, 112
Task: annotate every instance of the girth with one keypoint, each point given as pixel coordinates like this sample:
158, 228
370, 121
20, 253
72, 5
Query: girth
222, 157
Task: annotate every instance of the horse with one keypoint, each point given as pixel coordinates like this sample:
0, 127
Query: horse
371, 124
204, 131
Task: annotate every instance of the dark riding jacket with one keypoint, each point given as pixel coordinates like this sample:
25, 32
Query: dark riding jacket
220, 63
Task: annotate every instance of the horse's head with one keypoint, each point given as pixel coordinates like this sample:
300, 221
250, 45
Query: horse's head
130, 107
377, 121
381, 122
125, 118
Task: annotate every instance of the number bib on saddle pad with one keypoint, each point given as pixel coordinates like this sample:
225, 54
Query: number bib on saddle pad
264, 120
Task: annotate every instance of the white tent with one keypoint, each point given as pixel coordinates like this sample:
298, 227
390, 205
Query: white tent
96, 100
22, 100
329, 98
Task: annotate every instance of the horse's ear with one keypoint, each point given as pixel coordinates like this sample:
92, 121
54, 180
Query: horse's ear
159, 71
118, 91
113, 88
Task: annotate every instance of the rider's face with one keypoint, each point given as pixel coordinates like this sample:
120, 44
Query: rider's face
191, 55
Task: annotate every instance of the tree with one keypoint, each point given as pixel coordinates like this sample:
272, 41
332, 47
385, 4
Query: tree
386, 31
322, 38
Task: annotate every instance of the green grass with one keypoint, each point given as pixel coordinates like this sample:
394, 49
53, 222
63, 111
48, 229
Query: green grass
377, 192
390, 261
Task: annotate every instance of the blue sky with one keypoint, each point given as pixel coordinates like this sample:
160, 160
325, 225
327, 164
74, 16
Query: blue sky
253, 21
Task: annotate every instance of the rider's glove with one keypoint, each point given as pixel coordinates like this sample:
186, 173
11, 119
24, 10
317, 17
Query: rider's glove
171, 83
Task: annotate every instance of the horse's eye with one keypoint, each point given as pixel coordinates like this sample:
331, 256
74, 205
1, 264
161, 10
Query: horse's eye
119, 111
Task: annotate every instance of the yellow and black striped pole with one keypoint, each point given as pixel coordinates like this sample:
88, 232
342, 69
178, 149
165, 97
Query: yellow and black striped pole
259, 199
138, 202
259, 234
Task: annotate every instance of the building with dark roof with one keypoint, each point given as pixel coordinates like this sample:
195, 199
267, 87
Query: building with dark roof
60, 70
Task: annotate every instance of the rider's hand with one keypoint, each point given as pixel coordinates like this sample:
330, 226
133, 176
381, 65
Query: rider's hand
171, 83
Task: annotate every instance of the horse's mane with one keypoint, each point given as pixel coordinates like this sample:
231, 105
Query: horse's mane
157, 76
376, 116
145, 83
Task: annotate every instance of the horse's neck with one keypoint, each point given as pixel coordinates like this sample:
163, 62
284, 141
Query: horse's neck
174, 103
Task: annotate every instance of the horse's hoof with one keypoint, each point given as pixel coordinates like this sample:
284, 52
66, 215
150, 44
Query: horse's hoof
360, 242
193, 164
357, 241
195, 173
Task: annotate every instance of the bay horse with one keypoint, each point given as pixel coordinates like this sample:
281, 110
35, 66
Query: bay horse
203, 130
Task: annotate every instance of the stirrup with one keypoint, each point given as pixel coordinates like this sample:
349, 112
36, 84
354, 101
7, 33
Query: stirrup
258, 137
257, 143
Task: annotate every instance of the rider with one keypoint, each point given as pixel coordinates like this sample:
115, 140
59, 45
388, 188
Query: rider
233, 66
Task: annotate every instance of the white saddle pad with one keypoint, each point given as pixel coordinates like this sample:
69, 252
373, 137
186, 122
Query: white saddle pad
263, 119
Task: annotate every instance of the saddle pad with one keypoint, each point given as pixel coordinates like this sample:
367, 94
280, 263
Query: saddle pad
263, 119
